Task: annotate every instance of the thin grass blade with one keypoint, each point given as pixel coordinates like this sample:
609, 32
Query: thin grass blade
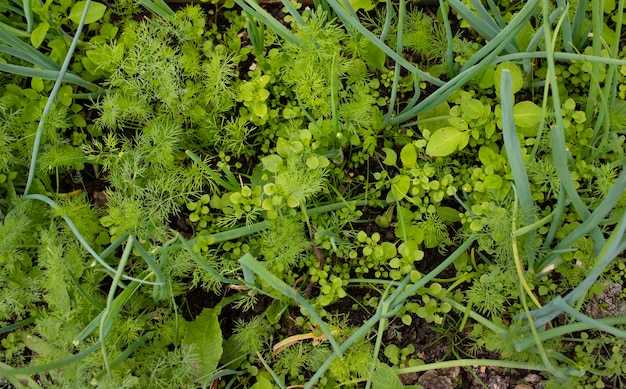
159, 7
579, 32
28, 53
347, 19
511, 142
483, 23
46, 74
615, 246
28, 14
267, 19
82, 240
251, 263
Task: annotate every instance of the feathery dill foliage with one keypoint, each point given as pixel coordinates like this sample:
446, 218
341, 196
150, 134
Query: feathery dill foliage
252, 336
542, 173
491, 293
173, 93
299, 358
300, 182
166, 70
8, 147
310, 71
20, 286
283, 244
328, 51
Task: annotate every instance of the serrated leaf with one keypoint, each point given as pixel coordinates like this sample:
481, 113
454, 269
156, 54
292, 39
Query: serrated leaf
385, 378
205, 335
445, 141
95, 12
38, 34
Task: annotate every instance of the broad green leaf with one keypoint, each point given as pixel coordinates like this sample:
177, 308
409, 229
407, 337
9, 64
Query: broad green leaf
389, 250
312, 162
486, 77
408, 155
412, 232
272, 163
448, 214
260, 110
262, 383
524, 37
472, 109
400, 186
38, 34
609, 6
374, 56
390, 157
445, 141
516, 75
485, 155
366, 5
493, 181
526, 116
435, 118
385, 378
205, 335
95, 12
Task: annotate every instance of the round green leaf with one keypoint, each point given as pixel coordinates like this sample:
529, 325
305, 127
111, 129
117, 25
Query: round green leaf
312, 162
445, 141
272, 163
516, 76
527, 115
95, 12
472, 109
260, 110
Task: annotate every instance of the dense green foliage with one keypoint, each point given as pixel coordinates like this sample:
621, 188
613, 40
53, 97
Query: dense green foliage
290, 169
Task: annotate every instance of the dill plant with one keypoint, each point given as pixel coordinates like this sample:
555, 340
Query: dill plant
252, 336
492, 291
283, 244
